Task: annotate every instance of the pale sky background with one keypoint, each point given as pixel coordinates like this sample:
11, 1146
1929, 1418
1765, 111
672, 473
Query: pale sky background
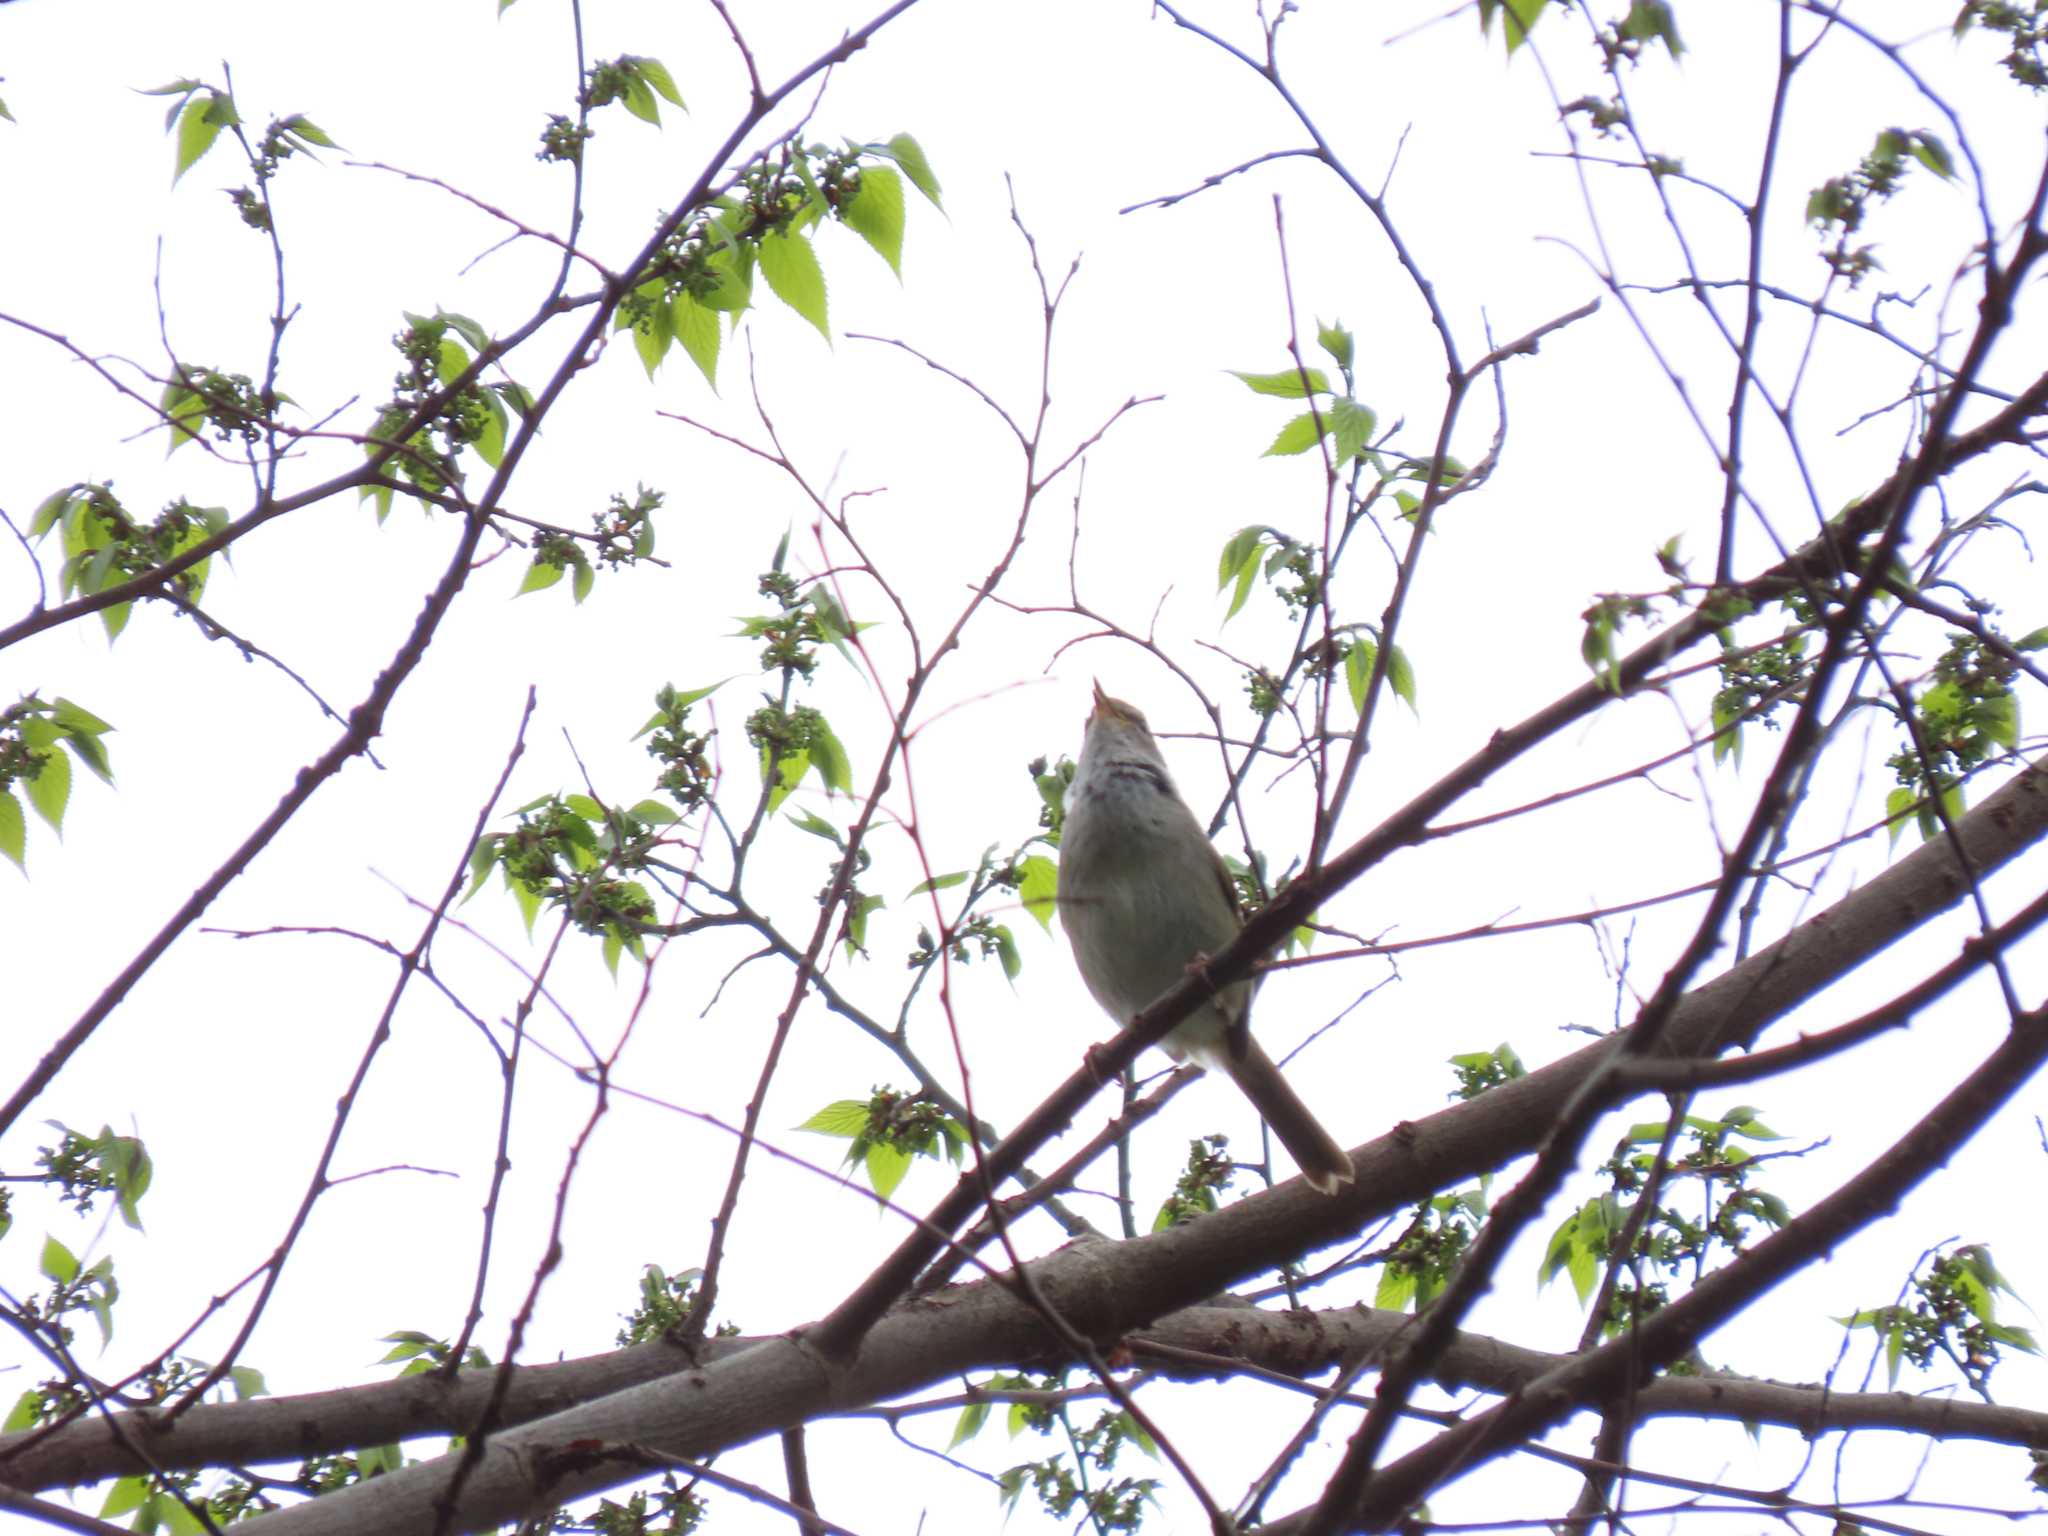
229, 1056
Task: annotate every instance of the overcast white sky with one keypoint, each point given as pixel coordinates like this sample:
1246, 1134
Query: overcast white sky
227, 1059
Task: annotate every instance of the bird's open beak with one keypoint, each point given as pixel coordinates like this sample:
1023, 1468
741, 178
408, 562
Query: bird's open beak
1102, 701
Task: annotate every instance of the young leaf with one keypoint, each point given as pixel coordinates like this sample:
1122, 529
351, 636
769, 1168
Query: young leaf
13, 829
50, 790
1286, 384
1038, 888
696, 327
904, 150
1298, 436
790, 264
199, 124
876, 214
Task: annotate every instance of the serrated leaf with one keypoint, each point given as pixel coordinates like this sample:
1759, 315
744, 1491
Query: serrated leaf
1351, 425
656, 74
906, 152
886, 1166
1038, 888
842, 1117
1285, 385
654, 331
697, 328
13, 829
1298, 436
199, 124
790, 264
50, 790
876, 214
1336, 341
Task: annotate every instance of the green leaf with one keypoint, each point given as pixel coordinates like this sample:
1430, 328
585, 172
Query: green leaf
126, 1493
696, 327
1298, 436
2000, 717
656, 74
939, 883
584, 579
830, 759
1519, 16
199, 124
1396, 1288
842, 1117
817, 826
1649, 20
1898, 806
1285, 384
1358, 663
1006, 952
248, 1382
483, 858
791, 266
540, 575
904, 150
654, 813
965, 1428
2037, 641
654, 329
50, 790
1336, 341
58, 1263
1038, 888
857, 912
1351, 424
1401, 677
886, 1166
183, 406
56, 503
734, 267
1240, 563
13, 829
23, 1414
1931, 152
789, 773
302, 127
490, 443
876, 214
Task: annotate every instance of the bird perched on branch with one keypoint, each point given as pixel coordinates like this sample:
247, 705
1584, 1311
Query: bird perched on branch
1144, 895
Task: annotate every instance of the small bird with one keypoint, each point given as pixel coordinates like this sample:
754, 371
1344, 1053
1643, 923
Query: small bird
1144, 895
